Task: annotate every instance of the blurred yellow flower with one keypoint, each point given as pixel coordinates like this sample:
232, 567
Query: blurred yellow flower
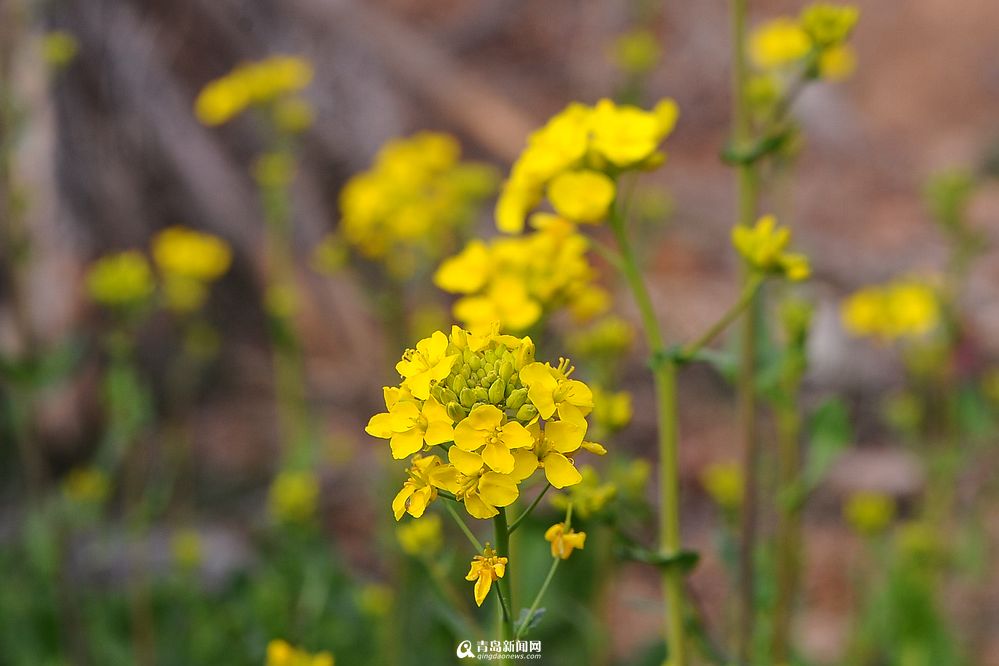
251, 84
293, 115
421, 538
636, 52
764, 246
869, 512
485, 569
581, 196
86, 485
779, 42
724, 483
563, 540
375, 599
185, 546
611, 409
191, 254
294, 496
59, 48
901, 309
281, 653
829, 25
588, 497
122, 279
837, 63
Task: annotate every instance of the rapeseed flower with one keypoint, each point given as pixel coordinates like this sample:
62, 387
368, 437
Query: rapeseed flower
869, 512
906, 308
294, 496
59, 48
186, 548
421, 538
251, 84
412, 205
563, 540
589, 496
477, 406
724, 484
636, 52
191, 254
485, 569
281, 653
779, 42
120, 280
577, 155
611, 409
829, 25
764, 248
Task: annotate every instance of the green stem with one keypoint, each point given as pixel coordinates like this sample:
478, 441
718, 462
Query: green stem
503, 587
746, 182
464, 528
548, 580
664, 375
516, 523
748, 294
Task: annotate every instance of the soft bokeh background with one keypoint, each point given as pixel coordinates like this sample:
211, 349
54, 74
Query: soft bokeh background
112, 153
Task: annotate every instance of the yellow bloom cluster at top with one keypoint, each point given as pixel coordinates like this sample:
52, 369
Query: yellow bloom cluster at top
496, 414
575, 158
901, 309
408, 208
764, 248
281, 653
515, 280
270, 81
817, 36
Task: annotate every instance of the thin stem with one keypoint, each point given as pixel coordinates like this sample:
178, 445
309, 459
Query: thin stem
537, 599
516, 523
748, 294
746, 183
503, 586
464, 528
664, 375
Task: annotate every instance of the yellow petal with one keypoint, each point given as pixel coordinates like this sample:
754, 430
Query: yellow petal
479, 509
565, 436
525, 464
419, 500
482, 586
498, 457
405, 444
516, 436
380, 425
399, 503
467, 463
498, 489
559, 470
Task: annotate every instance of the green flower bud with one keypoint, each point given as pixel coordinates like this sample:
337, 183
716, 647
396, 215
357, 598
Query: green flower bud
527, 412
455, 411
447, 395
466, 372
481, 394
459, 384
467, 397
472, 360
480, 373
506, 371
517, 399
489, 379
496, 391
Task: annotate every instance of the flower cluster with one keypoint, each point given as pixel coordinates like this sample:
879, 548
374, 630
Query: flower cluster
516, 280
270, 82
409, 207
905, 308
816, 41
189, 261
764, 248
576, 156
495, 413
281, 653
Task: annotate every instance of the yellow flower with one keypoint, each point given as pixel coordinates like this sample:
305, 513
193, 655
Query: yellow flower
281, 653
86, 485
417, 492
612, 409
186, 253
636, 52
589, 496
837, 63
185, 546
829, 25
485, 569
426, 364
466, 272
901, 309
421, 538
408, 426
627, 135
724, 484
294, 496
59, 48
764, 246
779, 42
506, 301
563, 540
481, 492
581, 196
485, 436
121, 280
293, 115
250, 84
553, 447
869, 512
549, 388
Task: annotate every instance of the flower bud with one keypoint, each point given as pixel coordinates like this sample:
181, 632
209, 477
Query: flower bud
527, 412
472, 360
496, 390
481, 394
467, 397
466, 372
458, 384
506, 370
455, 411
517, 399
446, 396
489, 379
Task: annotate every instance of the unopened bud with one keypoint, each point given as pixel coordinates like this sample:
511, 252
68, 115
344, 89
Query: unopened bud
455, 411
527, 412
496, 390
517, 399
481, 394
467, 397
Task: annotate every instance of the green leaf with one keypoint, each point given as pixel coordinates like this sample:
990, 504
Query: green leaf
686, 560
830, 433
527, 621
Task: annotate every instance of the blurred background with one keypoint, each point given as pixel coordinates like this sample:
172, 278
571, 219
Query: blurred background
102, 150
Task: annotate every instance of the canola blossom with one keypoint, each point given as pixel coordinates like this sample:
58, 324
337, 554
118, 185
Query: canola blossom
902, 309
764, 249
282, 653
563, 540
477, 416
188, 261
517, 280
251, 84
417, 198
484, 571
815, 40
294, 496
575, 158
121, 280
